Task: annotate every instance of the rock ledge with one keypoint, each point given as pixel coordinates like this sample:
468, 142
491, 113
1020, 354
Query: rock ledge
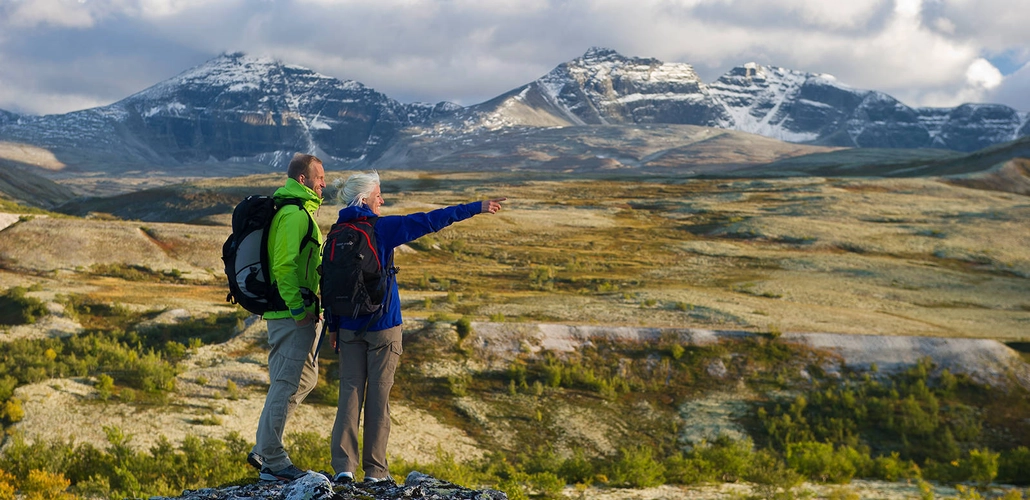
317, 486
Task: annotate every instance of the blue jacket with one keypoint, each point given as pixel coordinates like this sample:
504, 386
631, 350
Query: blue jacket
392, 231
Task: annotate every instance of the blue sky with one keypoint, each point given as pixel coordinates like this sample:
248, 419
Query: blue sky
64, 55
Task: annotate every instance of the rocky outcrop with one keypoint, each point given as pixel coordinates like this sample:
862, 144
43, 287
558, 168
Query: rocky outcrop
987, 361
317, 486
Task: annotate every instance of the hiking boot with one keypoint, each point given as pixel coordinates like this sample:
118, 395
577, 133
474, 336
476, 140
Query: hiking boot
255, 460
344, 478
290, 473
377, 480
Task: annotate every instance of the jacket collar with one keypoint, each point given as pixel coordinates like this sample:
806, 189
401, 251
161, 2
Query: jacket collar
294, 189
355, 212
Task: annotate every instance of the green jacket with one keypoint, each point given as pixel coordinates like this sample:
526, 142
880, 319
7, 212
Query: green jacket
295, 256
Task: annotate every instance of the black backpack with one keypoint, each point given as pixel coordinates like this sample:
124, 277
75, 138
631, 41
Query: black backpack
353, 282
245, 253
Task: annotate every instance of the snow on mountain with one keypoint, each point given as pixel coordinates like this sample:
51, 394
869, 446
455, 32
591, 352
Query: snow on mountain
600, 88
266, 105
603, 87
759, 100
249, 109
804, 107
234, 107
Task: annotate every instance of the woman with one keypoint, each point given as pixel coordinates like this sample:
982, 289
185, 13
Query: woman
368, 361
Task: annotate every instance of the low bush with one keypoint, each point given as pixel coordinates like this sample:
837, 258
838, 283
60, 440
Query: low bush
1014, 466
821, 462
16, 308
636, 468
119, 471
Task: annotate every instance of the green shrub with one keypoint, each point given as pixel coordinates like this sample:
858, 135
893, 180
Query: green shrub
424, 244
514, 486
980, 466
174, 351
577, 469
447, 468
542, 278
309, 450
463, 327
43, 485
679, 469
135, 272
7, 385
209, 420
232, 390
456, 246
821, 462
7, 486
547, 484
676, 351
1014, 466
771, 473
725, 460
16, 308
104, 386
637, 468
893, 468
983, 467
11, 412
458, 384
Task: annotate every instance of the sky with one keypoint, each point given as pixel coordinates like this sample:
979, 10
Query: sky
58, 56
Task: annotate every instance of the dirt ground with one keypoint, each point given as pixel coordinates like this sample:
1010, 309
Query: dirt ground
63, 408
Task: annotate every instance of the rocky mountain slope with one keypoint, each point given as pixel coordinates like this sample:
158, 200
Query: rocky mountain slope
604, 87
233, 106
237, 108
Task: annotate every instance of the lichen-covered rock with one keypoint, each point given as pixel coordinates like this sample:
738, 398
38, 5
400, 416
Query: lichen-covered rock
317, 486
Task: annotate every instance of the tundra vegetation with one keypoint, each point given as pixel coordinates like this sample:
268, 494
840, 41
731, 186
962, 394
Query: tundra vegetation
889, 257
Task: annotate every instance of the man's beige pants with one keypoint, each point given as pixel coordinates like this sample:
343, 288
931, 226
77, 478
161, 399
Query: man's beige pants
367, 366
292, 373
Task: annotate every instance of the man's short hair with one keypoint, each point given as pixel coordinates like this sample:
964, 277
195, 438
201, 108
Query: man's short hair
301, 164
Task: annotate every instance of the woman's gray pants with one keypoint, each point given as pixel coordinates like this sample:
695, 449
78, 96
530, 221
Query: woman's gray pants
367, 366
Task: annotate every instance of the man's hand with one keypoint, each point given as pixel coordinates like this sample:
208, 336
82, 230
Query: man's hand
492, 206
308, 318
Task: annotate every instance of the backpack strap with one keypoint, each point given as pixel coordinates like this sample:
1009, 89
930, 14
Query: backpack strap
278, 304
299, 203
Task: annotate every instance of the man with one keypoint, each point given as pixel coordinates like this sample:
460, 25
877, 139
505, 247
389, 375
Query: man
294, 250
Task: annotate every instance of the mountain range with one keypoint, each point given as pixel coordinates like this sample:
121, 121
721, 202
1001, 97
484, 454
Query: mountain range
251, 110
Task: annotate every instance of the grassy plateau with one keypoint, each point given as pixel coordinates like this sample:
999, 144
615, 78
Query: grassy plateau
118, 312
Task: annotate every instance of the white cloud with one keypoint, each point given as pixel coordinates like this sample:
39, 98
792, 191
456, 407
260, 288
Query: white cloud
13, 96
908, 8
924, 52
982, 73
156, 9
992, 24
61, 13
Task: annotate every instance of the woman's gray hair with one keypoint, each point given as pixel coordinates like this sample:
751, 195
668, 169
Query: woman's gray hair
358, 188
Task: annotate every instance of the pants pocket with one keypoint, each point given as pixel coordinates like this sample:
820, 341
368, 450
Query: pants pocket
291, 341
